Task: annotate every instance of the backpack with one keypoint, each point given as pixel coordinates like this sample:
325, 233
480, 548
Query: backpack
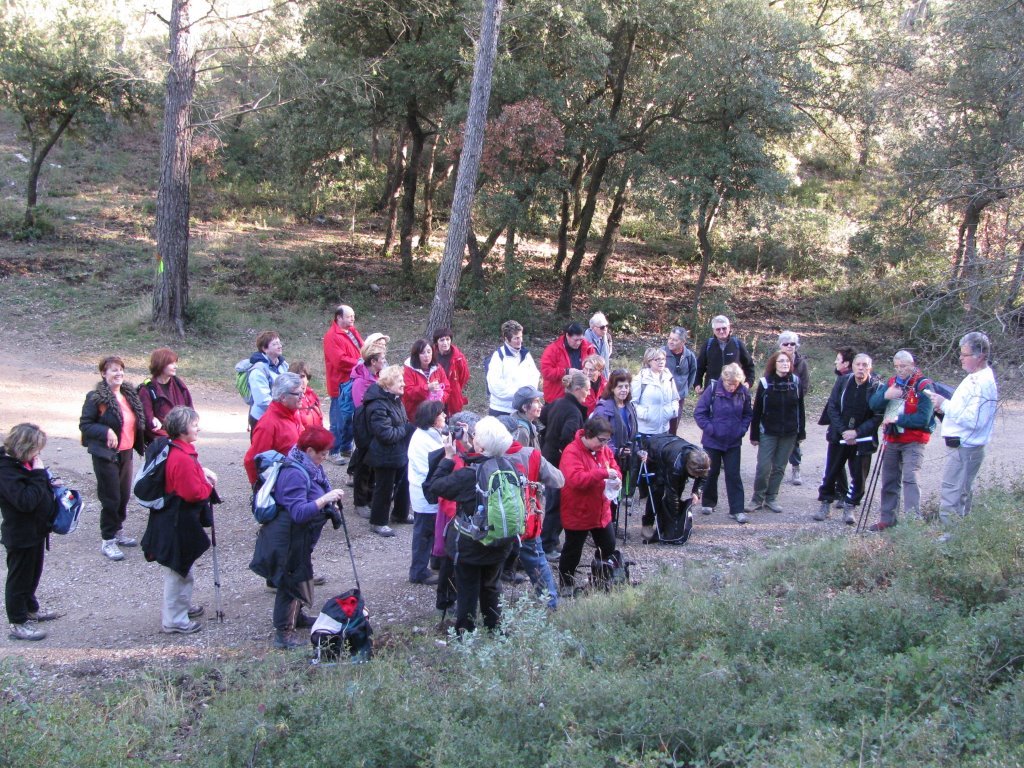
149, 483
343, 626
242, 370
501, 505
613, 572
67, 506
269, 464
674, 521
361, 426
533, 495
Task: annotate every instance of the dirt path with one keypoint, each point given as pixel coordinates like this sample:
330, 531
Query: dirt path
113, 608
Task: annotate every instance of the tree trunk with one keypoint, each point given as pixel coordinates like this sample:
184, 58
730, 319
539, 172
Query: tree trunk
36, 166
393, 177
393, 195
412, 172
611, 228
705, 223
478, 254
429, 188
563, 223
1015, 283
170, 293
447, 286
971, 272
510, 246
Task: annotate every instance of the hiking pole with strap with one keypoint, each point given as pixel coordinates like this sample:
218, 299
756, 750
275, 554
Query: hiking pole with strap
218, 609
348, 543
865, 509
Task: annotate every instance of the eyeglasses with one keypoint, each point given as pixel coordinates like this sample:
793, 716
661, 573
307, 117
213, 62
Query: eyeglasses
605, 440
788, 344
295, 394
602, 327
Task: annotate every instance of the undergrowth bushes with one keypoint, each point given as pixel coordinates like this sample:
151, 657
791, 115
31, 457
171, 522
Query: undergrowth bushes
888, 650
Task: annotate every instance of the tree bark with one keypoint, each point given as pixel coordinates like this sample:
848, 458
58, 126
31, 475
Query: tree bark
429, 188
1015, 283
563, 222
170, 292
447, 286
611, 228
705, 223
412, 171
393, 195
478, 255
393, 177
36, 166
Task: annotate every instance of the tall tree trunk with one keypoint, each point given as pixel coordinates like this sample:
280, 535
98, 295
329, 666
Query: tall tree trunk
563, 222
447, 286
628, 35
170, 293
412, 171
474, 268
36, 166
429, 188
971, 272
705, 223
1015, 283
394, 194
510, 245
395, 168
611, 228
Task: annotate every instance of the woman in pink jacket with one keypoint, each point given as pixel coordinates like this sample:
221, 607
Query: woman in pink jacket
587, 463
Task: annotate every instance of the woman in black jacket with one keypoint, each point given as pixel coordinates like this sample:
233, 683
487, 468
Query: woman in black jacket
778, 423
112, 426
26, 504
388, 450
561, 419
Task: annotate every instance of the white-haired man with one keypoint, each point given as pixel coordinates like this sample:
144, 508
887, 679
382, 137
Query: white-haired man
720, 350
600, 335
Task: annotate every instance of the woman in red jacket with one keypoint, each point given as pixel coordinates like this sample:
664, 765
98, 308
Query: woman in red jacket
424, 379
450, 357
587, 462
174, 536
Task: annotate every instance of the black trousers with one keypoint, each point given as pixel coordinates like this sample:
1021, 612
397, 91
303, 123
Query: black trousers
390, 487
477, 584
551, 528
729, 461
24, 569
834, 485
114, 489
362, 478
604, 540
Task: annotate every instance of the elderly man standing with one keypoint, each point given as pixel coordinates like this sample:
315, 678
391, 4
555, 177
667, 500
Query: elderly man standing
682, 364
908, 419
510, 368
342, 343
566, 352
720, 350
970, 415
600, 335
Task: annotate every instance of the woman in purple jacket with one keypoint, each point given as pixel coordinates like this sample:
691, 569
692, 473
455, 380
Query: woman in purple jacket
724, 412
284, 548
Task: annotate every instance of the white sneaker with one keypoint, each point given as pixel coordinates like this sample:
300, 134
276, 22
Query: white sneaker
797, 479
110, 550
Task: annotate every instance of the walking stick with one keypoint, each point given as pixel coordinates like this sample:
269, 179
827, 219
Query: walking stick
218, 609
865, 509
348, 543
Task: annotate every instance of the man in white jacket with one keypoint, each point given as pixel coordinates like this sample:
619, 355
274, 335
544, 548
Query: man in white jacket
510, 367
969, 416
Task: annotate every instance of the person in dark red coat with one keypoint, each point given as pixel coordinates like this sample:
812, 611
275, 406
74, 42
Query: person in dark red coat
310, 413
174, 536
424, 379
342, 343
587, 462
162, 391
279, 428
454, 363
566, 352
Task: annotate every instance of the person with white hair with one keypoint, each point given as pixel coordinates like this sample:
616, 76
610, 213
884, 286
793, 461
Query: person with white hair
720, 350
790, 341
477, 566
600, 335
907, 421
970, 415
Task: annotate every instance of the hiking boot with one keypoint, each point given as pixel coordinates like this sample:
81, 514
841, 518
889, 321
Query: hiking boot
823, 510
647, 532
754, 506
287, 639
707, 510
187, 629
848, 514
319, 580
382, 530
363, 512
304, 621
741, 518
44, 615
338, 459
553, 555
195, 611
110, 550
796, 478
771, 506
26, 631
431, 580
409, 518
839, 505
881, 526
124, 540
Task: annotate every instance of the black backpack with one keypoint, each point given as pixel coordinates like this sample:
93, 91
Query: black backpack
150, 480
343, 630
361, 427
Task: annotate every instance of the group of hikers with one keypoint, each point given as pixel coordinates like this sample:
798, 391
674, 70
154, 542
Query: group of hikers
572, 438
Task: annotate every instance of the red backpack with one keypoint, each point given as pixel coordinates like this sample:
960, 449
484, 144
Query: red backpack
534, 493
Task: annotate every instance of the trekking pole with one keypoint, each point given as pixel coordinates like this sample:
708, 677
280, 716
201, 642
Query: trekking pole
865, 509
348, 543
218, 609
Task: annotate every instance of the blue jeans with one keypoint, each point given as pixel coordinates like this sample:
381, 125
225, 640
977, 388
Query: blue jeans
340, 415
531, 554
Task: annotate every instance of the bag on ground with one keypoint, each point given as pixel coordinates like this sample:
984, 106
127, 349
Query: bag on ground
613, 572
501, 504
343, 629
149, 483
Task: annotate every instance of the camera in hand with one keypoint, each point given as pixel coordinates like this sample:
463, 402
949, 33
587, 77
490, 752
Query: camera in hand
457, 432
334, 513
